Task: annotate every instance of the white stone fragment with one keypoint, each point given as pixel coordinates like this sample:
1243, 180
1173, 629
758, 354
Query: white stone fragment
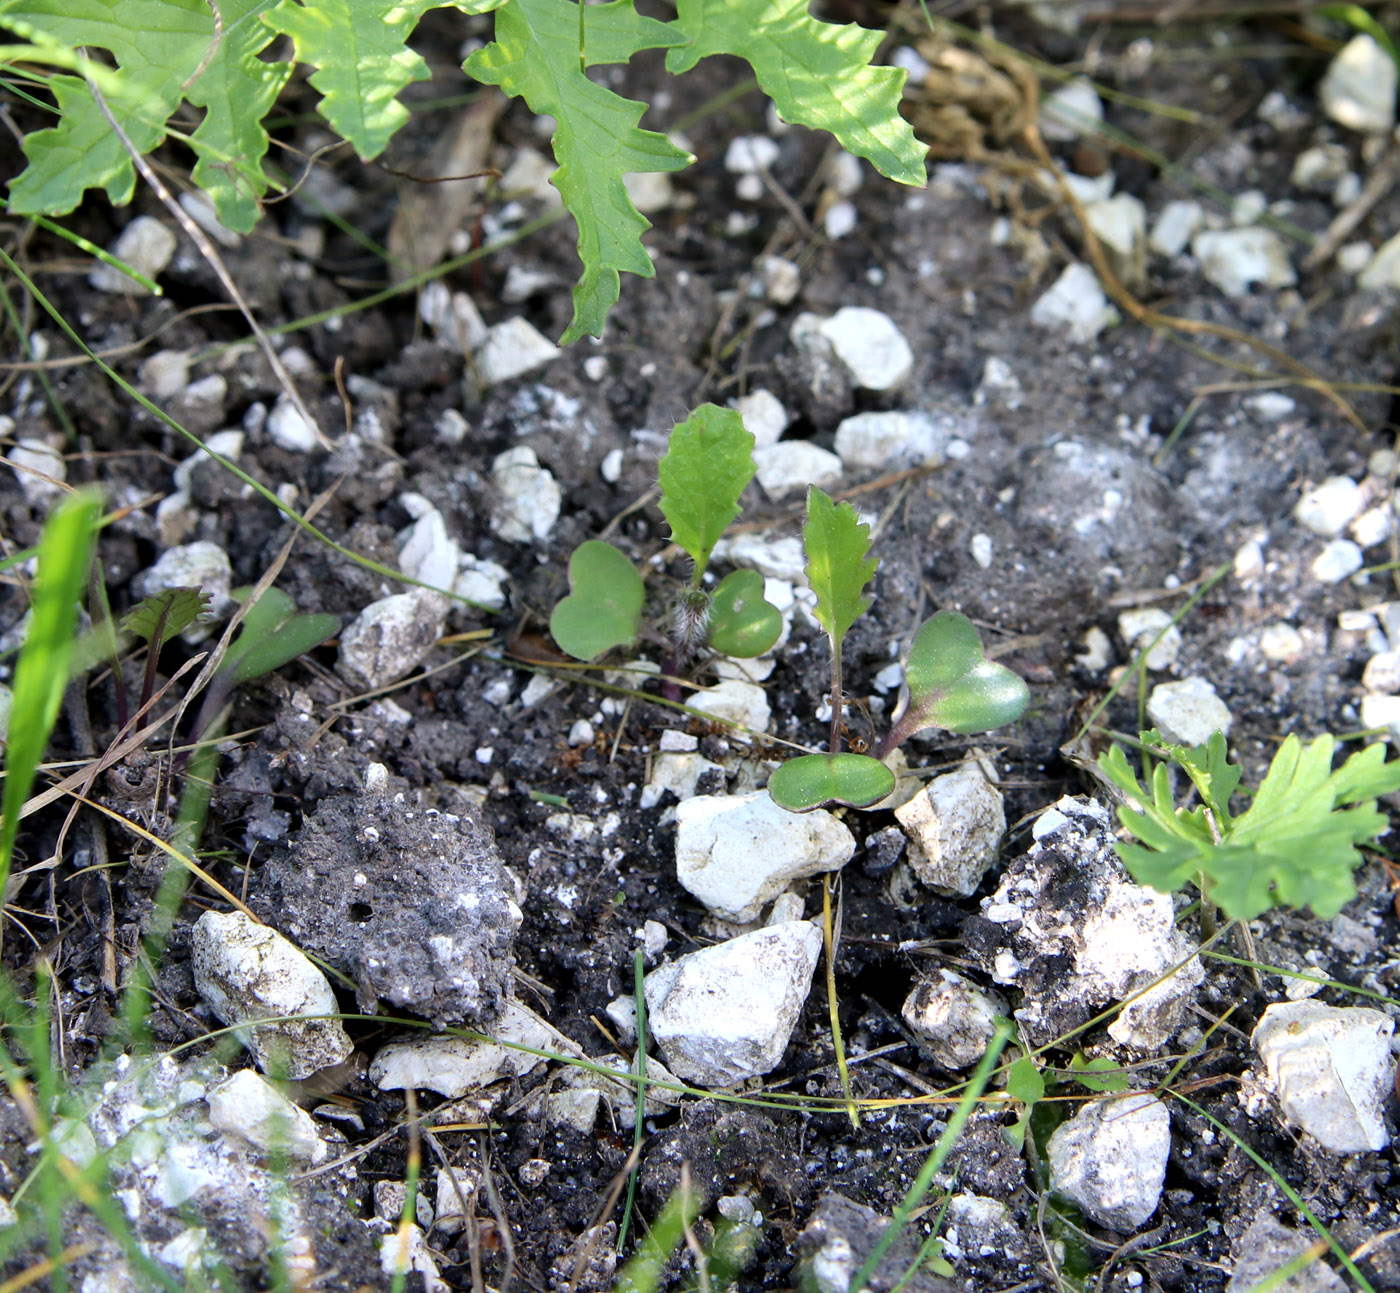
1071, 111
1338, 560
39, 468
288, 430
1382, 270
748, 154
1265, 1247
1120, 223
953, 1020
764, 416
408, 1252
792, 465
1188, 712
457, 1066
844, 174
200, 208
889, 441
165, 374
781, 279
1075, 305
678, 772
251, 1108
1331, 1070
201, 565
528, 497
780, 558
1358, 89
481, 582
724, 1014
1248, 206
999, 385
981, 548
427, 554
1381, 712
455, 321
955, 826
870, 347
511, 349
146, 246
390, 637
1140, 627
1320, 167
1354, 257
1382, 673
528, 176
1374, 526
1098, 651
1235, 259
736, 853
1271, 406
1281, 643
732, 700
1327, 509
839, 219
247, 971
1111, 1159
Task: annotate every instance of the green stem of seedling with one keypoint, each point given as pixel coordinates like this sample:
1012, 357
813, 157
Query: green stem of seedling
834, 744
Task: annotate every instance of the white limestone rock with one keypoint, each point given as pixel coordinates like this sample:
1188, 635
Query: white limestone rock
749, 154
1111, 1159
1074, 306
955, 827
1327, 509
736, 853
724, 1014
201, 565
528, 497
1071, 111
734, 701
870, 347
1382, 270
792, 465
1358, 89
1120, 224
1338, 560
39, 468
146, 246
427, 554
510, 350
773, 558
1140, 627
455, 321
953, 1020
1235, 259
288, 430
1175, 226
891, 441
764, 416
1189, 711
251, 1108
245, 971
1331, 1069
390, 637
482, 582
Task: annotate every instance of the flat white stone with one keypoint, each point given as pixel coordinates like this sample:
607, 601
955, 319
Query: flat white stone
245, 971
1140, 627
764, 416
748, 154
1383, 269
481, 582
780, 558
201, 565
32, 460
1071, 111
890, 441
724, 1014
1074, 305
734, 701
427, 554
679, 772
288, 430
955, 826
1282, 644
1111, 1159
1236, 259
1331, 1069
528, 497
982, 550
511, 349
1327, 509
792, 465
1358, 89
146, 246
870, 347
1120, 223
1338, 560
953, 1020
736, 853
390, 637
251, 1108
1188, 712
455, 321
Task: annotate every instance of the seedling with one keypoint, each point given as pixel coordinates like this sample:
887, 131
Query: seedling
707, 465
949, 683
1295, 846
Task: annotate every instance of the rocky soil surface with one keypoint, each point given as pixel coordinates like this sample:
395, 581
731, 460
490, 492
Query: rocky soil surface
435, 822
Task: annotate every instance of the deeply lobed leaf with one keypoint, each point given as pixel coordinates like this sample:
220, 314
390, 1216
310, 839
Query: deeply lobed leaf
707, 464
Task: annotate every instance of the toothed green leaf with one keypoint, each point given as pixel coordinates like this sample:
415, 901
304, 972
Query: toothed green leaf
604, 605
838, 562
707, 464
166, 613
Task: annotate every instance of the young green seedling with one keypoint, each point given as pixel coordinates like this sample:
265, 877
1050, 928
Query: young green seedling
707, 465
949, 682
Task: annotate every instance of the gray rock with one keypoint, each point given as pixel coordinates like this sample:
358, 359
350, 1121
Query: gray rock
724, 1014
955, 827
1358, 89
414, 905
839, 1237
1266, 1246
251, 1108
146, 246
1188, 712
736, 853
246, 971
1236, 259
390, 637
1111, 1159
953, 1020
1331, 1068
528, 497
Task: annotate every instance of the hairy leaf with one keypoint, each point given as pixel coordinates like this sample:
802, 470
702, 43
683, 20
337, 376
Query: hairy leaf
604, 605
166, 613
708, 462
838, 562
818, 74
818, 780
1295, 846
742, 623
536, 56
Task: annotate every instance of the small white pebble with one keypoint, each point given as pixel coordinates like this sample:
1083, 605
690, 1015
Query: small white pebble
1281, 643
611, 468
595, 367
1382, 673
485, 754
1337, 561
581, 733
840, 219
981, 549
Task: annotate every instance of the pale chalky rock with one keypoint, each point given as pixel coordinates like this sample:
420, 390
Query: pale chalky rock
146, 246
427, 554
288, 430
792, 465
1235, 259
678, 771
773, 558
764, 416
1265, 1247
1071, 111
955, 828
512, 349
736, 853
456, 322
890, 441
165, 374
1188, 712
251, 1108
724, 1014
870, 347
246, 971
1141, 628
201, 565
953, 1020
481, 582
1381, 712
1327, 509
1331, 1069
390, 637
1338, 560
734, 701
1382, 672
1074, 306
1120, 224
458, 1066
1111, 1159
749, 154
1358, 90
620, 1093
1382, 270
39, 468
1175, 226
528, 497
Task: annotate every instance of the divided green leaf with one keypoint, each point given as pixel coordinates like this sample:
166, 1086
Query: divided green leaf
839, 566
1295, 846
708, 462
742, 623
159, 617
818, 780
604, 606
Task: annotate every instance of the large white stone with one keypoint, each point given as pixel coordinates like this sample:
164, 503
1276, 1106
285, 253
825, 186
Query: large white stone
251, 1108
1188, 712
724, 1014
738, 852
390, 637
1074, 305
732, 700
246, 971
1072, 110
870, 347
528, 497
39, 468
1358, 90
889, 441
1235, 259
511, 349
1383, 269
146, 246
791, 465
1327, 509
1111, 1159
1331, 1068
953, 1019
955, 827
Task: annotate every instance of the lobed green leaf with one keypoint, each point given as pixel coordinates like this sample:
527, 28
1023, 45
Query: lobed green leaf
168, 612
839, 565
706, 467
